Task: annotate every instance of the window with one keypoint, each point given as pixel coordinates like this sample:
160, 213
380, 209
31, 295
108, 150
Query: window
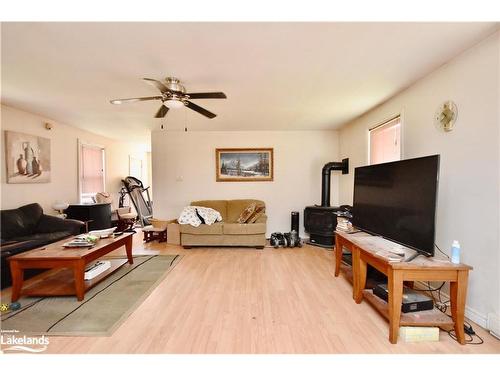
135, 167
385, 142
91, 171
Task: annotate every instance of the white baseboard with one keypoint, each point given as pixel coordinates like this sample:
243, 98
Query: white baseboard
494, 324
470, 313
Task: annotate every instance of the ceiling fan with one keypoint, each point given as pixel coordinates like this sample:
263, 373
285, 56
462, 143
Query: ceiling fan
173, 95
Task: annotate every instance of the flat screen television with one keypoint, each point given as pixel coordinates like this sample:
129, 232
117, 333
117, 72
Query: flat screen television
397, 201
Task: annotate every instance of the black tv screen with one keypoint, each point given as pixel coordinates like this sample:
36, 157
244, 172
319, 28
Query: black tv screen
397, 201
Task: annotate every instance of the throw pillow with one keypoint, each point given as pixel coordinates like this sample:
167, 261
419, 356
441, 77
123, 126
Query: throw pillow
247, 212
256, 217
259, 212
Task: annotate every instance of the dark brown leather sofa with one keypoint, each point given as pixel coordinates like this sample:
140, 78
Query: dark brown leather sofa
26, 228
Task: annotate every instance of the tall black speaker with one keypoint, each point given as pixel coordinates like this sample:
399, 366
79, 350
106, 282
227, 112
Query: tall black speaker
295, 221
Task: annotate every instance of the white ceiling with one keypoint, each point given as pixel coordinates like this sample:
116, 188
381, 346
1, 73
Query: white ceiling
277, 76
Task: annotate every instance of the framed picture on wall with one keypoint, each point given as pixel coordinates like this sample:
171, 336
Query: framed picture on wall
27, 157
244, 164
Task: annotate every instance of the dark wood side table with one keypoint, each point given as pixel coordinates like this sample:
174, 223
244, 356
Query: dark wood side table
96, 215
419, 269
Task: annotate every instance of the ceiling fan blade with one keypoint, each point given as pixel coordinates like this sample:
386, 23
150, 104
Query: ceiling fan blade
162, 111
160, 86
207, 95
132, 100
200, 110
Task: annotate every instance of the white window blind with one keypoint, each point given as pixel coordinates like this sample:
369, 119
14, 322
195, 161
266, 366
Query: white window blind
385, 142
92, 176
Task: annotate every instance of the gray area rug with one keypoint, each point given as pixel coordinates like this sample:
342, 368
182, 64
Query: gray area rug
104, 308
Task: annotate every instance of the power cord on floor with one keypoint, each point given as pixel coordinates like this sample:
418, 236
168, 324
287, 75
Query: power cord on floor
469, 332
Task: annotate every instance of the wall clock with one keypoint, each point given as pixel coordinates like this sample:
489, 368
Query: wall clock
446, 116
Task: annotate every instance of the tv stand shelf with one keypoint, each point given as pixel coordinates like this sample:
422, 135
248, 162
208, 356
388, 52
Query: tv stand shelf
366, 250
434, 317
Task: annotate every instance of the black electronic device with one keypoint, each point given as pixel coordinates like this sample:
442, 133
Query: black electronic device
412, 300
397, 201
295, 221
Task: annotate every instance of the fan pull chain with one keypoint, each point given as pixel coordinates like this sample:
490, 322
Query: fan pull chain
185, 120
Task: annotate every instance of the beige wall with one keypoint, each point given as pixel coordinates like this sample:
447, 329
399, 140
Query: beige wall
184, 170
64, 161
468, 199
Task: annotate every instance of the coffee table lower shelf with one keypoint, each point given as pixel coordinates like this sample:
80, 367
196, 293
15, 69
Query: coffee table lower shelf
426, 318
61, 282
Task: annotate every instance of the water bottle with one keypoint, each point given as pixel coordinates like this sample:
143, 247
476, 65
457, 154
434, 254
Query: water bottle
455, 252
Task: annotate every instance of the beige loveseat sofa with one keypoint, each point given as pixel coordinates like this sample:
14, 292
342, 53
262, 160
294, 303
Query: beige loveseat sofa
227, 232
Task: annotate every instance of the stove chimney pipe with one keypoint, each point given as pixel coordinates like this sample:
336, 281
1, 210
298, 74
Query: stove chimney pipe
325, 179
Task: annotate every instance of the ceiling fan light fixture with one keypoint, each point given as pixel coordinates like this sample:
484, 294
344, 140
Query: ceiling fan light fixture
174, 95
174, 103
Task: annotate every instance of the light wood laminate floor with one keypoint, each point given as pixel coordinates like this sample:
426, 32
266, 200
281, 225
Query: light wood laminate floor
254, 301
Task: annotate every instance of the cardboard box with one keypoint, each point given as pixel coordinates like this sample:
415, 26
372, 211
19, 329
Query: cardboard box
173, 233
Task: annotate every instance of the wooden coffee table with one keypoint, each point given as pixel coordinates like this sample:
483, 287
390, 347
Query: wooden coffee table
71, 263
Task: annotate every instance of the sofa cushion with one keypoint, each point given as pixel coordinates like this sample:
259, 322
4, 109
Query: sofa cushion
49, 224
32, 241
217, 205
230, 228
17, 247
21, 221
45, 238
247, 213
236, 206
215, 228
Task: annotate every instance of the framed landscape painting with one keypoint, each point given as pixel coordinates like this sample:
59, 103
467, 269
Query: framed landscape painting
244, 164
27, 157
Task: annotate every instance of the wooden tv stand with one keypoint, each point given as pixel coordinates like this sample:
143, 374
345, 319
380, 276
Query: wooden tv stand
367, 249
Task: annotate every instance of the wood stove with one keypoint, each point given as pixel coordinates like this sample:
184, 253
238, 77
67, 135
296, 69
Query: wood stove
320, 221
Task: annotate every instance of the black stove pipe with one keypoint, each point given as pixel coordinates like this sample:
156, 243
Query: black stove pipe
325, 180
